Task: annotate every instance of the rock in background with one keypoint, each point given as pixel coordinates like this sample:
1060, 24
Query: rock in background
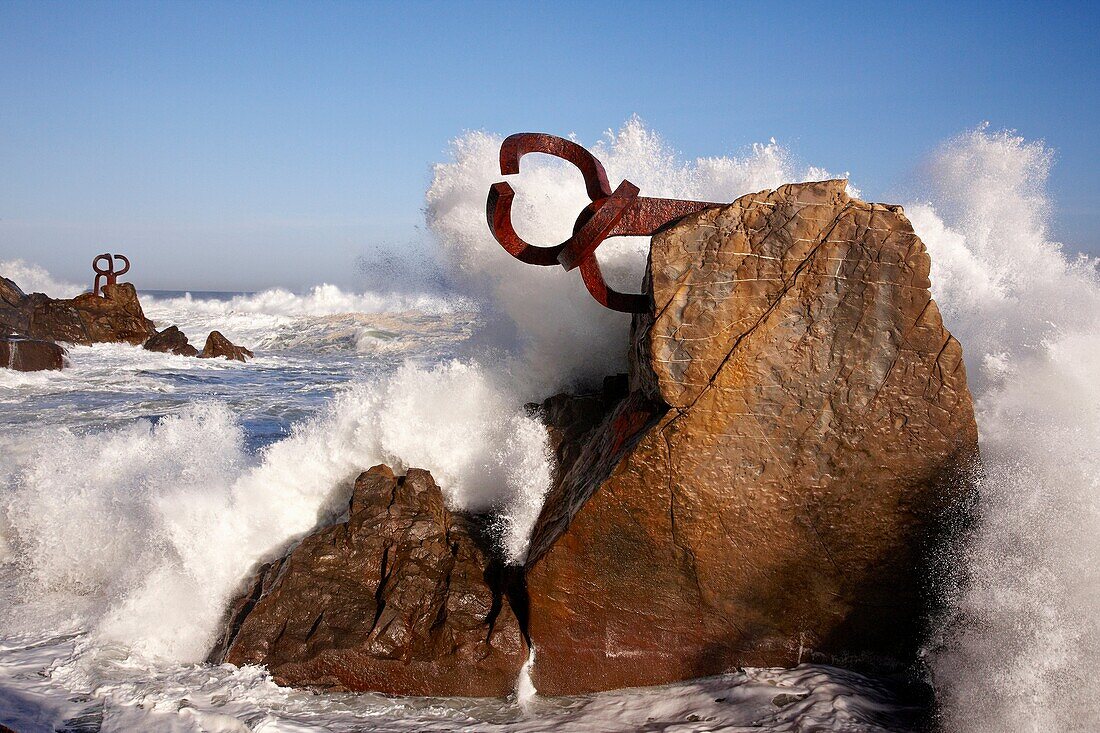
796, 442
219, 346
171, 341
85, 319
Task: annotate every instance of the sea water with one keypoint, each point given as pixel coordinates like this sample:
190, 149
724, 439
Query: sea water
137, 489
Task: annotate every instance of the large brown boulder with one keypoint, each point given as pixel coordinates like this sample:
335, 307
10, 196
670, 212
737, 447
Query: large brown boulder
85, 319
171, 341
218, 346
400, 598
30, 355
795, 444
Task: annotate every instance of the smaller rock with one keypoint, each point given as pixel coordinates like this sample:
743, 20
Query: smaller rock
30, 355
218, 345
403, 597
172, 341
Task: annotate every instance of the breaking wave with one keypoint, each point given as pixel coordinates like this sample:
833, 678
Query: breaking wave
149, 527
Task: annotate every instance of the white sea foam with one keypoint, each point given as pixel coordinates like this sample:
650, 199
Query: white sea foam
268, 318
149, 527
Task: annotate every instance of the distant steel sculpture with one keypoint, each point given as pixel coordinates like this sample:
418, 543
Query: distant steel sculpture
110, 274
617, 213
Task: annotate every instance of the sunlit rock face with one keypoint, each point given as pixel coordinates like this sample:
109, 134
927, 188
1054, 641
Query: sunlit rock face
795, 446
171, 341
218, 346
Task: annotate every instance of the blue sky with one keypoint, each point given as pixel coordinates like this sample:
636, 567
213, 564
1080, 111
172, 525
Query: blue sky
213, 141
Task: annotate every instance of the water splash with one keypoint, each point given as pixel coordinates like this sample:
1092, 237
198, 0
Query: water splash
32, 278
525, 684
1021, 647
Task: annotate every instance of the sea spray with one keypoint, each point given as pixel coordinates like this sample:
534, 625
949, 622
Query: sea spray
259, 318
1020, 650
147, 529
32, 278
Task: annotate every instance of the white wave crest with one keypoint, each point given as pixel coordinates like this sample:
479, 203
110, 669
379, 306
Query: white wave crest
271, 316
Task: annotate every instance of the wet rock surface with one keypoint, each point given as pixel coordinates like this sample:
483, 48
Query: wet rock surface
171, 341
218, 346
400, 598
30, 355
795, 443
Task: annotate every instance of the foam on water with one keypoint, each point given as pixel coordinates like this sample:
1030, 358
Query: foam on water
147, 528
131, 519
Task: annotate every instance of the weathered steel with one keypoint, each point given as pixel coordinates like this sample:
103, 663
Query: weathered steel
617, 213
109, 274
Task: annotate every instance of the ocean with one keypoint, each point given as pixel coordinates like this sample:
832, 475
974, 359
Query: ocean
137, 489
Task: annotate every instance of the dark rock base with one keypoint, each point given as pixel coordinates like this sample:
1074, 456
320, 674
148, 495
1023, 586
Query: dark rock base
30, 355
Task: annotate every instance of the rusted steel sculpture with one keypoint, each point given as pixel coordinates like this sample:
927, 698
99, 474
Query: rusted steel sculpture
109, 273
617, 213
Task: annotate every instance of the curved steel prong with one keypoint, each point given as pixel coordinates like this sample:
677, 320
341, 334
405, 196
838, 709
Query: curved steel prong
109, 274
110, 264
498, 205
498, 211
520, 144
607, 296
611, 214
595, 223
100, 273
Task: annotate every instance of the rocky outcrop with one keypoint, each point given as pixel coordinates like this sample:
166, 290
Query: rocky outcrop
766, 487
85, 319
795, 441
171, 341
219, 346
90, 319
30, 355
400, 598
